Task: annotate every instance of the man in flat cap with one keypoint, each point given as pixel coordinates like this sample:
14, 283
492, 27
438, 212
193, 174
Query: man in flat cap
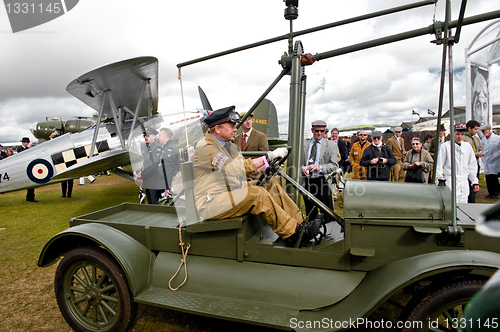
30, 193
465, 165
397, 145
378, 159
221, 190
320, 159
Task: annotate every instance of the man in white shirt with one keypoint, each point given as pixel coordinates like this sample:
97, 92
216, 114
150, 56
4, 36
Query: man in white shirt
465, 165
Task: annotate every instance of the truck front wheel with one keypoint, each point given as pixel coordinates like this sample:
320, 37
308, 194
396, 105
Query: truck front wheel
440, 308
92, 292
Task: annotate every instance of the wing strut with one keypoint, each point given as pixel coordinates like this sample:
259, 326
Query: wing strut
117, 117
145, 83
97, 126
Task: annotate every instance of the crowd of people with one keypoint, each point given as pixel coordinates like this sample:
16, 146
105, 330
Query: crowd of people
225, 179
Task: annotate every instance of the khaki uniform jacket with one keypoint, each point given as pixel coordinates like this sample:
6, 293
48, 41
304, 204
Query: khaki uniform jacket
355, 155
220, 178
396, 149
257, 141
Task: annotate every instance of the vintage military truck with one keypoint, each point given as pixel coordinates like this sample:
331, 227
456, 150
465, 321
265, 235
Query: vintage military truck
392, 236
396, 236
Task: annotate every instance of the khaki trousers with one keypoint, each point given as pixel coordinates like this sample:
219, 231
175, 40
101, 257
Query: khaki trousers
270, 201
397, 172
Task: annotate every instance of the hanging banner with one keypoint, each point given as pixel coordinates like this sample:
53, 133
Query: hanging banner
479, 99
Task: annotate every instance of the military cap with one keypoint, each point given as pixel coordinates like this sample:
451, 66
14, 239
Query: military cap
376, 133
397, 129
460, 127
227, 114
150, 131
25, 140
319, 123
242, 114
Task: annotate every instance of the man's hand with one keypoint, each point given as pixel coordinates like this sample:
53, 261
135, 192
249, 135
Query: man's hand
476, 188
374, 161
307, 170
278, 153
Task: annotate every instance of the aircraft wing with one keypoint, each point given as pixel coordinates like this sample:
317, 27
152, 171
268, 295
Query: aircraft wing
95, 164
125, 80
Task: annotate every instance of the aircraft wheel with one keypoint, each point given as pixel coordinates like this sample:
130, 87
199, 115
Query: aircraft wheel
92, 292
440, 308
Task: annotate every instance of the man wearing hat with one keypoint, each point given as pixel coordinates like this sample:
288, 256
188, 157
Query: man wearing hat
491, 160
149, 170
30, 193
378, 159
357, 150
397, 145
221, 190
465, 165
320, 159
440, 140
251, 139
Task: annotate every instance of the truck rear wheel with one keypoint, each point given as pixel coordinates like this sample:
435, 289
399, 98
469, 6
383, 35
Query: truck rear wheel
440, 308
92, 292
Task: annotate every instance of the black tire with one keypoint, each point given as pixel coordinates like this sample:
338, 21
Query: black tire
92, 292
439, 308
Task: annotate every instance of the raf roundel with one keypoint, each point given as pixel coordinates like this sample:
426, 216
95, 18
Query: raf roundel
40, 171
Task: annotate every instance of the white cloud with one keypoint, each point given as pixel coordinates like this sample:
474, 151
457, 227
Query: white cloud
379, 85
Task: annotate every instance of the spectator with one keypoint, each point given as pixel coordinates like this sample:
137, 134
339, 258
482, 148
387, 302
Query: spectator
358, 172
342, 149
320, 159
378, 159
9, 152
427, 142
417, 160
491, 160
433, 148
250, 139
149, 171
471, 138
465, 165
397, 144
30, 193
3, 154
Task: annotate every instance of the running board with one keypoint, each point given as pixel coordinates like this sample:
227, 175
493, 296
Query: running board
243, 311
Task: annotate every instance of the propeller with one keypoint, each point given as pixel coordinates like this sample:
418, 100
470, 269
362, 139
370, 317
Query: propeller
204, 100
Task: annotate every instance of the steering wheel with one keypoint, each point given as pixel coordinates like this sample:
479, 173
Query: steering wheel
273, 167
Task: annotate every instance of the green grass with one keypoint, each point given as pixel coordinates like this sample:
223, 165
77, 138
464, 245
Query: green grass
27, 293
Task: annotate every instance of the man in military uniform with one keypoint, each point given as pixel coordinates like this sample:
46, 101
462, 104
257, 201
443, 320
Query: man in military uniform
221, 190
149, 171
30, 193
161, 163
397, 145
169, 159
358, 172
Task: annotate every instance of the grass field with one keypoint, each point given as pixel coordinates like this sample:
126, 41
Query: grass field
27, 291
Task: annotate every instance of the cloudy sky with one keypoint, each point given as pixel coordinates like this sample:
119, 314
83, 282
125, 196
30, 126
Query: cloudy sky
376, 86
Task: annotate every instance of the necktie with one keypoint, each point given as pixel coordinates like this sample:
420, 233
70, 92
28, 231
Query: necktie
312, 156
244, 142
